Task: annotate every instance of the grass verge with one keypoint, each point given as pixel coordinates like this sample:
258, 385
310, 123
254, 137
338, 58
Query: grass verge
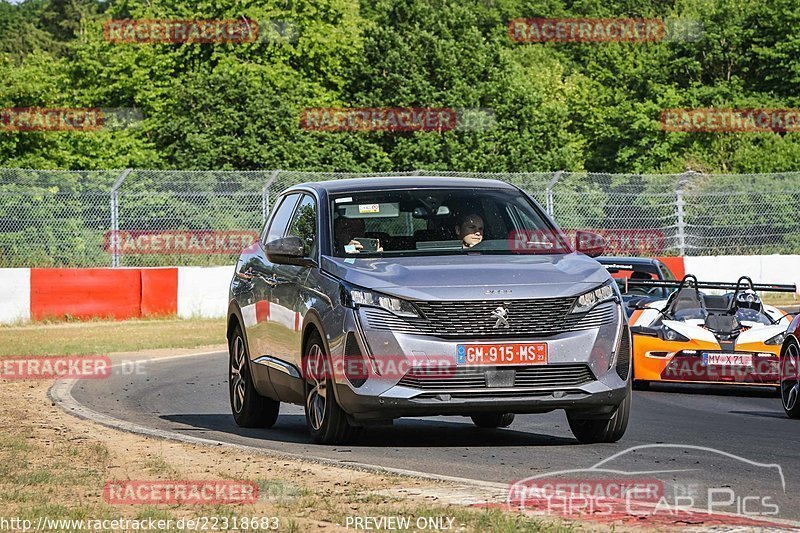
91, 338
55, 467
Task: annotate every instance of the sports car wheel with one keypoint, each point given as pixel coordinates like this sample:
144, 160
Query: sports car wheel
326, 420
790, 378
493, 420
608, 428
250, 409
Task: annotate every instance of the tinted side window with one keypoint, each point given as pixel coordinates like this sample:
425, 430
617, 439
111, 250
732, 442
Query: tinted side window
304, 225
277, 226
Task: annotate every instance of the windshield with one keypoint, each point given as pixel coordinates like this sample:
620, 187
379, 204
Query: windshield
623, 273
440, 222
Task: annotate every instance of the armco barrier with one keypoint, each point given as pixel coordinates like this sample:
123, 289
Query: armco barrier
15, 295
760, 268
159, 291
85, 293
676, 265
102, 292
202, 291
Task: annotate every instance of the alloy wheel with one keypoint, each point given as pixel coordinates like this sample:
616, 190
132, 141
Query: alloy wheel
236, 378
790, 376
316, 396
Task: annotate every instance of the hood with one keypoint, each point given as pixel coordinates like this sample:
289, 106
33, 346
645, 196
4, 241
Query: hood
471, 277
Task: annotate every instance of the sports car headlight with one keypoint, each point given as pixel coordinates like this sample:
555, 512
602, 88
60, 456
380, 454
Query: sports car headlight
777, 339
587, 300
669, 334
354, 297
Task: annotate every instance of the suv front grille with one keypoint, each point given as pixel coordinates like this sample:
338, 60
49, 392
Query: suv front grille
457, 378
526, 318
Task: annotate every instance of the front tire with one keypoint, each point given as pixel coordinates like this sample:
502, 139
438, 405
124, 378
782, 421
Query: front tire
609, 428
493, 420
790, 378
326, 420
249, 408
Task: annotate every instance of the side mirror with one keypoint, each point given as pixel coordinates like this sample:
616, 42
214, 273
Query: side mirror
591, 244
634, 304
644, 330
287, 251
641, 303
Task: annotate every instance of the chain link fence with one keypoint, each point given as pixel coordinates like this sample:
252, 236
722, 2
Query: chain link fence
64, 218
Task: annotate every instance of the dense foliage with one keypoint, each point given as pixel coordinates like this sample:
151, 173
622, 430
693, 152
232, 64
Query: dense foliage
579, 106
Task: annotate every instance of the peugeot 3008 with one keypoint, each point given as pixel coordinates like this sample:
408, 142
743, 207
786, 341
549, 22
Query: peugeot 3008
365, 300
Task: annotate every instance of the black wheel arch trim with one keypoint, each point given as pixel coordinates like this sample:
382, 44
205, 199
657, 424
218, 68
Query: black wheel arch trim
313, 319
235, 311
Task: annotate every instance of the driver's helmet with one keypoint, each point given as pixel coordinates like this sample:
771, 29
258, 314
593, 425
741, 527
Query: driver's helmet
748, 300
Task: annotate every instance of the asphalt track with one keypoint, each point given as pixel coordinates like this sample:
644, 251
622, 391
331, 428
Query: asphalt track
189, 396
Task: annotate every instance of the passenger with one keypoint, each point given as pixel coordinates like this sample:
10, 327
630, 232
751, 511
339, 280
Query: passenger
470, 230
344, 232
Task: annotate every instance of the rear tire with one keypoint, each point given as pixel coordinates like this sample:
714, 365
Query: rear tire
327, 422
493, 420
609, 428
790, 378
249, 408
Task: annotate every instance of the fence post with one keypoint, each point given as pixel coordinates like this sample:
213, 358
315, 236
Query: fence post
115, 215
679, 203
549, 191
265, 196
264, 204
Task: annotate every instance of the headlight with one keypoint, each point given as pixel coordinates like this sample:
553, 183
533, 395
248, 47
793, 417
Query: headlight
354, 297
777, 339
596, 296
669, 334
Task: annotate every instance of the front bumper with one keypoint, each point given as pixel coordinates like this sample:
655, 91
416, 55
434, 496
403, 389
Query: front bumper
693, 368
684, 362
582, 374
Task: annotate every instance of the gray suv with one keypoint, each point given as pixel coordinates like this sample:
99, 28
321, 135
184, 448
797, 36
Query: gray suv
365, 300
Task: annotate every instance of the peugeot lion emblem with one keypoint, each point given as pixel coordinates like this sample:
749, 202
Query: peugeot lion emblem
501, 314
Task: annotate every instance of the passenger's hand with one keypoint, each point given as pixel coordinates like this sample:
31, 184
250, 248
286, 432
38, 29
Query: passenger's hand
356, 247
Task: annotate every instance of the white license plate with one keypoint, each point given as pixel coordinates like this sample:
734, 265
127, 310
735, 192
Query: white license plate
728, 359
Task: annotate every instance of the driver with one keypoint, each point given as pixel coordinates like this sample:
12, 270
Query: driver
470, 230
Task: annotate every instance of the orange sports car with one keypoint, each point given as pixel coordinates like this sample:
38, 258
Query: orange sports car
696, 337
